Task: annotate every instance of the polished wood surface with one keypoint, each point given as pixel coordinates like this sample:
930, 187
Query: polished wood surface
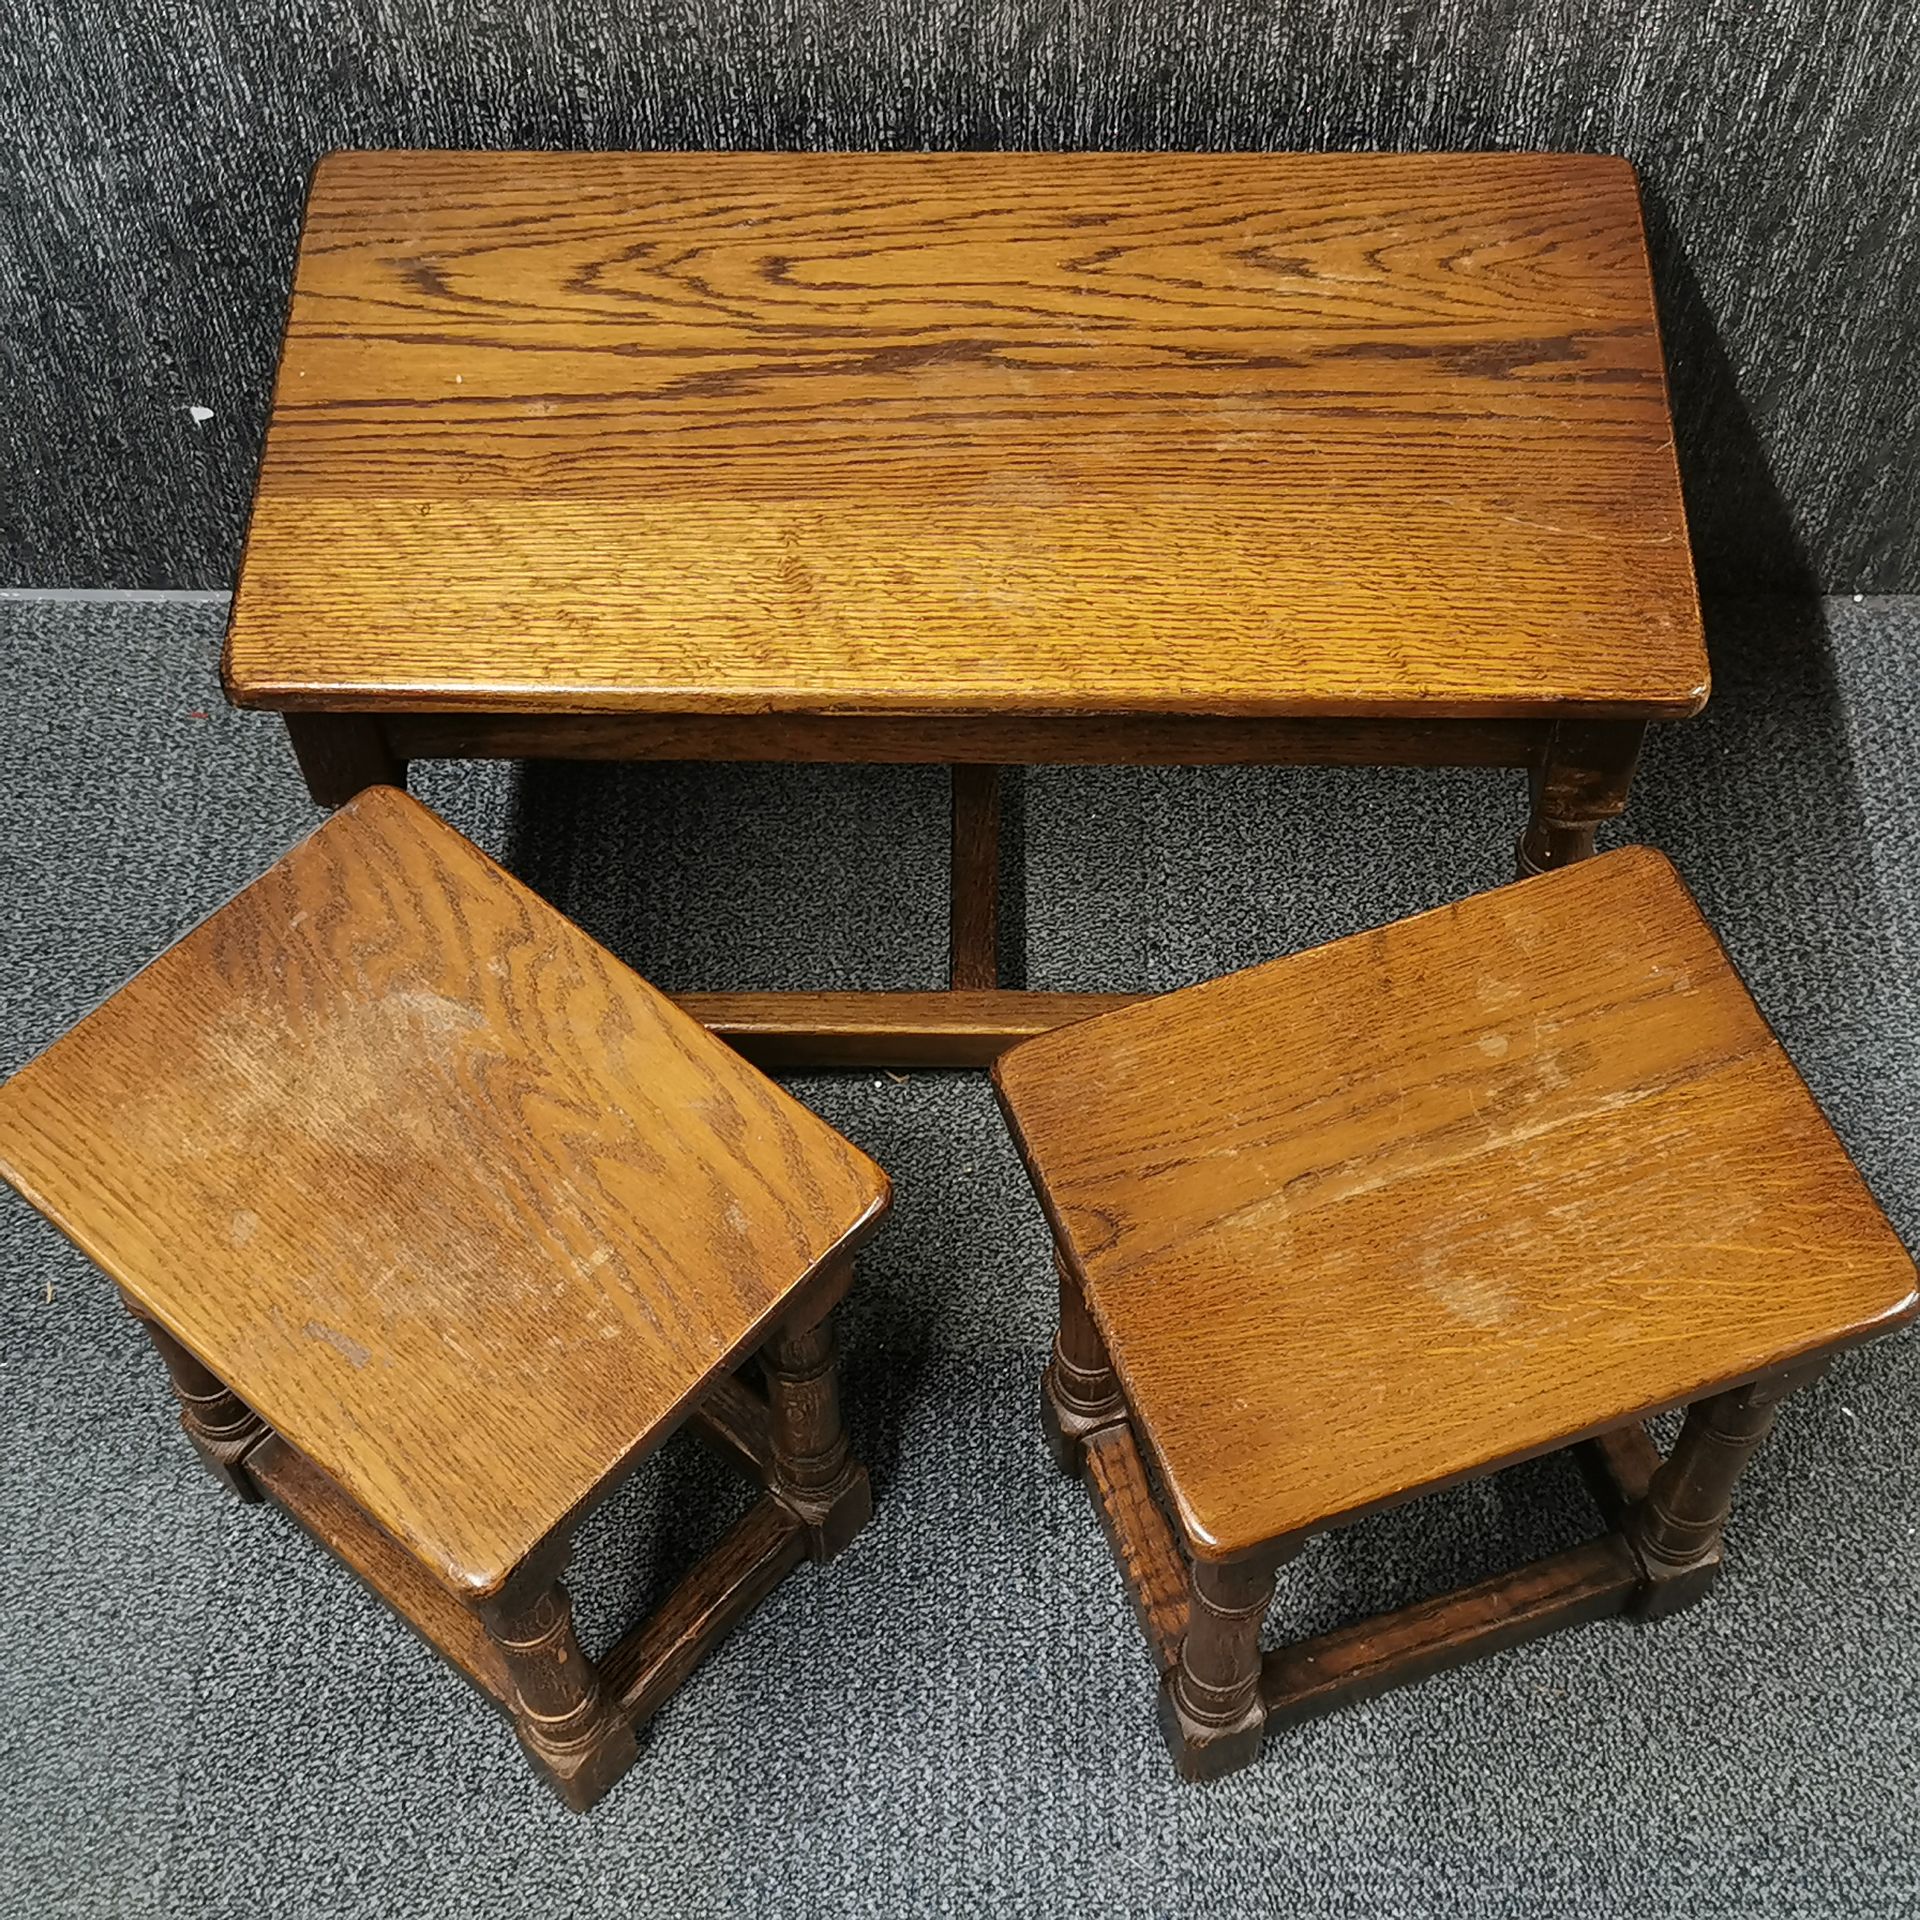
1354, 1226
1345, 434
1444, 1195
459, 1205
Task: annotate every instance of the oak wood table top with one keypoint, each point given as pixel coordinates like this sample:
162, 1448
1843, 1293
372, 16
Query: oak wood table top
1365, 435
452, 1199
1442, 1196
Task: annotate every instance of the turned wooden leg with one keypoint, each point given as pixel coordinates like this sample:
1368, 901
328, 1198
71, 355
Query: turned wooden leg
1675, 1531
1078, 1392
220, 1425
1211, 1711
1580, 779
341, 753
815, 1476
566, 1718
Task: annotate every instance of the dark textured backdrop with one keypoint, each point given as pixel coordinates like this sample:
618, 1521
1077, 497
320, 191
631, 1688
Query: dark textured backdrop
152, 155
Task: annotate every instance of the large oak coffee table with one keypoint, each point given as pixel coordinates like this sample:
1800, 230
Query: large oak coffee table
983, 459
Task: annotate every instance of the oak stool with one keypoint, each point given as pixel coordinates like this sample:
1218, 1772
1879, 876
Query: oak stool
442, 1220
1401, 1211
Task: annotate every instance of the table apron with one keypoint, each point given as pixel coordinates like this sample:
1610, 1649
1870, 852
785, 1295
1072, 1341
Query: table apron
981, 740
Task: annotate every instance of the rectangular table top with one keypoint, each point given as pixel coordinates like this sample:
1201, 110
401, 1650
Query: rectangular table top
1379, 435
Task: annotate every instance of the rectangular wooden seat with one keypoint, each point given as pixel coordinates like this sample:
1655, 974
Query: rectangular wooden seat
443, 1219
1405, 1209
405, 1158
1459, 1190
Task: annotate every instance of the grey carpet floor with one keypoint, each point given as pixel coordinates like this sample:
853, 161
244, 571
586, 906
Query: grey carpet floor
203, 1717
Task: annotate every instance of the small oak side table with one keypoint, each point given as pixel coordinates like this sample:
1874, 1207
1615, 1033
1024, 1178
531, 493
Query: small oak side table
1403, 1210
982, 459
442, 1220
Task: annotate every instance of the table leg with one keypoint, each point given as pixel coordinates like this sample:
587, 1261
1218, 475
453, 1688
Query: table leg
1580, 780
1675, 1531
1211, 1710
340, 753
220, 1425
567, 1719
815, 1476
1078, 1392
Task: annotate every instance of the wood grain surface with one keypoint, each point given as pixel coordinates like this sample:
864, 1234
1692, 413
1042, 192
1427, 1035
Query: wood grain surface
1369, 435
460, 1205
1442, 1196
